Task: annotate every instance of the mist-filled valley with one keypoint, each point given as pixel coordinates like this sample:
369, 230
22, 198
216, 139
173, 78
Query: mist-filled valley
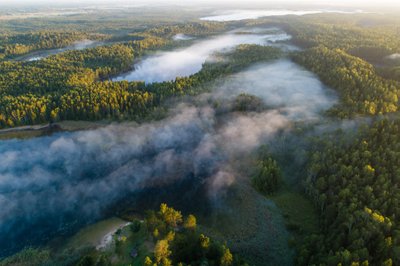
73, 178
166, 66
192, 134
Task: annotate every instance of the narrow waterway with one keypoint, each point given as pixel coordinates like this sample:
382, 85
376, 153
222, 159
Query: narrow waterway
166, 66
38, 55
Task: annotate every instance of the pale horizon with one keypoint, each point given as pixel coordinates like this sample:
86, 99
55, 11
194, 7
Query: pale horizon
339, 3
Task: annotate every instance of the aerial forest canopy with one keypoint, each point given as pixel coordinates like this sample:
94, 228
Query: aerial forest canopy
355, 186
351, 55
47, 90
19, 44
361, 89
312, 172
74, 85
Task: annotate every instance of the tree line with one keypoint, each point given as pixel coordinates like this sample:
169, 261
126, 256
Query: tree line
347, 33
12, 45
17, 44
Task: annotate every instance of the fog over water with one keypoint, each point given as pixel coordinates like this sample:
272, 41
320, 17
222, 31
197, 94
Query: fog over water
182, 37
395, 56
80, 45
282, 85
166, 66
50, 185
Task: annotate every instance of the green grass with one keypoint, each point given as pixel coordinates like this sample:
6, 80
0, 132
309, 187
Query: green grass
299, 213
27, 257
252, 226
67, 125
139, 241
21, 135
118, 254
93, 234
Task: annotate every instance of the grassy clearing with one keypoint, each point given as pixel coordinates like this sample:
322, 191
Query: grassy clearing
252, 226
263, 229
69, 125
92, 235
134, 240
27, 132
123, 239
300, 215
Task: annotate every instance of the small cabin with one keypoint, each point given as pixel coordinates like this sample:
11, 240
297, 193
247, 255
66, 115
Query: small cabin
133, 253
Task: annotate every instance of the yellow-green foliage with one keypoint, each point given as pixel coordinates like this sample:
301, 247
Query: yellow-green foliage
356, 189
361, 90
182, 245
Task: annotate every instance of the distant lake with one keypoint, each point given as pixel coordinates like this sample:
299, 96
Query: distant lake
243, 14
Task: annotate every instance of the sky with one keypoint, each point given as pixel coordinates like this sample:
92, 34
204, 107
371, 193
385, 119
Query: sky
360, 3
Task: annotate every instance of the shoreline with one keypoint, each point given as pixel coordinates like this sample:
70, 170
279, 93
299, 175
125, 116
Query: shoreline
28, 128
31, 131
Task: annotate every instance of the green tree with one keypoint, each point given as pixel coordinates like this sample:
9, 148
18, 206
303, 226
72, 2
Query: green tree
268, 177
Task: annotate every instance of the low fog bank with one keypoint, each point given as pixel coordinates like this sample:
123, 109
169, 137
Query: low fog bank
283, 85
395, 56
166, 66
182, 37
235, 15
51, 183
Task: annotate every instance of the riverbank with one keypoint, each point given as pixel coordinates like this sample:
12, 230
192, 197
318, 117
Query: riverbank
99, 235
26, 132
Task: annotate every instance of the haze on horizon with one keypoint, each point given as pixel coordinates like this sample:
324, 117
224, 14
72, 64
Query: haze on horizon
206, 3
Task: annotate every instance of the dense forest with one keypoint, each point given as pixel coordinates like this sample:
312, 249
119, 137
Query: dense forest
15, 44
355, 188
361, 89
369, 42
74, 85
19, 44
351, 58
352, 180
